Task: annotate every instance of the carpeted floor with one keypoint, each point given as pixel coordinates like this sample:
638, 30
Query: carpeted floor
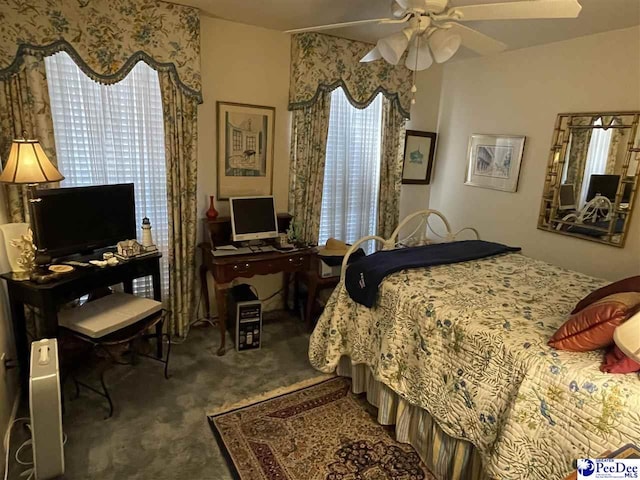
159, 429
318, 432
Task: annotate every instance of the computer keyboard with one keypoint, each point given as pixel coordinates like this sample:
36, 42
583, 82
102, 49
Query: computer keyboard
243, 251
237, 251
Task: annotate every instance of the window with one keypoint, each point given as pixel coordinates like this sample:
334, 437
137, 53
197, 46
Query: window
251, 142
597, 157
237, 141
109, 134
352, 170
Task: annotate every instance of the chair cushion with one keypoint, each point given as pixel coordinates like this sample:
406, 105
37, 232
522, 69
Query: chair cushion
615, 361
108, 314
593, 326
631, 284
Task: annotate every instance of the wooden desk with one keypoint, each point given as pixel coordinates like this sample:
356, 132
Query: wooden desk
47, 297
228, 268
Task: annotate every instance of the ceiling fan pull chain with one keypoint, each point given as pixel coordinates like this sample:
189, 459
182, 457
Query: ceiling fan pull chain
414, 88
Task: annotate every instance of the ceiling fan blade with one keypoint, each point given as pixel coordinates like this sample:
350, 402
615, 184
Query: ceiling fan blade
406, 4
520, 10
476, 41
349, 24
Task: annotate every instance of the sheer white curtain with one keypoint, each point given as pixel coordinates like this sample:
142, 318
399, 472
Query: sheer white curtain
352, 170
597, 157
109, 134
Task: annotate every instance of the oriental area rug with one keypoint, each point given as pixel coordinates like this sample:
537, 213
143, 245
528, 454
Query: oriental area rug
319, 432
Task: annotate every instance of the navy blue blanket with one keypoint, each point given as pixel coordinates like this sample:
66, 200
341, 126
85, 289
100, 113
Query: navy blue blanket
364, 276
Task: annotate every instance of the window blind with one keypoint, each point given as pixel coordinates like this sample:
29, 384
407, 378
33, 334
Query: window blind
108, 134
352, 170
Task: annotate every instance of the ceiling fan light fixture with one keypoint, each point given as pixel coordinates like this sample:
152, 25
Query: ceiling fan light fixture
373, 55
419, 57
444, 45
392, 47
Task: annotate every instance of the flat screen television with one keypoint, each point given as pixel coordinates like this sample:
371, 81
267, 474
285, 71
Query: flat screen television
605, 185
253, 218
82, 219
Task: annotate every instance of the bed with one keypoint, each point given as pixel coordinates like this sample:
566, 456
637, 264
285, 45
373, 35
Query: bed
456, 356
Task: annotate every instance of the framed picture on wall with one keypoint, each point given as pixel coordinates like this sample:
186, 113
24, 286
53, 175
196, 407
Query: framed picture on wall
245, 137
419, 151
494, 161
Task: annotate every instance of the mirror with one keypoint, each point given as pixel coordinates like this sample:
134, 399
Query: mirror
592, 176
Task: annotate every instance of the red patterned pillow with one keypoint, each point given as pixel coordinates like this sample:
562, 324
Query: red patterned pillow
615, 361
593, 326
631, 284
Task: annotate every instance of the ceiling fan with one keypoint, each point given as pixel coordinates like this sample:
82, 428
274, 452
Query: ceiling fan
432, 30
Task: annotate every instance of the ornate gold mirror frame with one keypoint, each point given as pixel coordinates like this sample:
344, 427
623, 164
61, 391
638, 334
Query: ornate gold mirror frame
582, 197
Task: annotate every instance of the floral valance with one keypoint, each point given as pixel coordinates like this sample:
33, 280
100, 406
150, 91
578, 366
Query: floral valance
106, 38
322, 62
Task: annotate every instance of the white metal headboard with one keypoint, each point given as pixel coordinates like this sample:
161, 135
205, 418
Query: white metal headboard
419, 236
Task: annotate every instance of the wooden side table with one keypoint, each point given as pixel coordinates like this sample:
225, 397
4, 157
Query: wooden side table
314, 282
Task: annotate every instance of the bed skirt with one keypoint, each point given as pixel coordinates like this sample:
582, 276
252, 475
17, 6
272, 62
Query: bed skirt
446, 457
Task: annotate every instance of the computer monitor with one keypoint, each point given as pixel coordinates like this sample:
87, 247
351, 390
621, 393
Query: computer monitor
253, 218
604, 185
567, 197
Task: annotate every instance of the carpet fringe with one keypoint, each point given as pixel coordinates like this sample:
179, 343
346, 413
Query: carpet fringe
271, 394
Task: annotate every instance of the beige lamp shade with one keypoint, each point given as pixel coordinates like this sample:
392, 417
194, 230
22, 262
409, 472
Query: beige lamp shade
27, 163
627, 337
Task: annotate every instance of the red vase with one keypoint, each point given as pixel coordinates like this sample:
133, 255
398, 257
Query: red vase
212, 212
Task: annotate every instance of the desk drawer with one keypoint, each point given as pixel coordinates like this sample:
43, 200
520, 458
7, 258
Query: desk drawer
262, 266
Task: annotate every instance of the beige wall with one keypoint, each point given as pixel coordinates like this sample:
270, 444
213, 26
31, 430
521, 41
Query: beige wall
520, 93
424, 116
243, 64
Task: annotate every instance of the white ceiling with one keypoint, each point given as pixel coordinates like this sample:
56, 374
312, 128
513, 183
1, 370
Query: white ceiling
596, 16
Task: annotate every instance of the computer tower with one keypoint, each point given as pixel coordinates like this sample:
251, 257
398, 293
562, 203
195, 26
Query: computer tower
245, 318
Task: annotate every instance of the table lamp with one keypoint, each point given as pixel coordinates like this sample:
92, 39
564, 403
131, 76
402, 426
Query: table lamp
627, 337
28, 164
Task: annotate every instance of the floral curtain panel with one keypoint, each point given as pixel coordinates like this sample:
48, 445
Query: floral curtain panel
393, 130
180, 112
320, 63
25, 107
105, 37
310, 127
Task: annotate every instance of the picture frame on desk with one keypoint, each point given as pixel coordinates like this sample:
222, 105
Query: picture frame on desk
245, 136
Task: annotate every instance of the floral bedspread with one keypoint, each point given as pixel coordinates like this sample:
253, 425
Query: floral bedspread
468, 343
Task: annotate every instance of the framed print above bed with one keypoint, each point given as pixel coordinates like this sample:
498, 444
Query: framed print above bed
494, 161
245, 137
419, 150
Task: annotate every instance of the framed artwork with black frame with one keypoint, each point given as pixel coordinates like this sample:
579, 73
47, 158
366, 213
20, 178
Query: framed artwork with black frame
245, 137
419, 152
